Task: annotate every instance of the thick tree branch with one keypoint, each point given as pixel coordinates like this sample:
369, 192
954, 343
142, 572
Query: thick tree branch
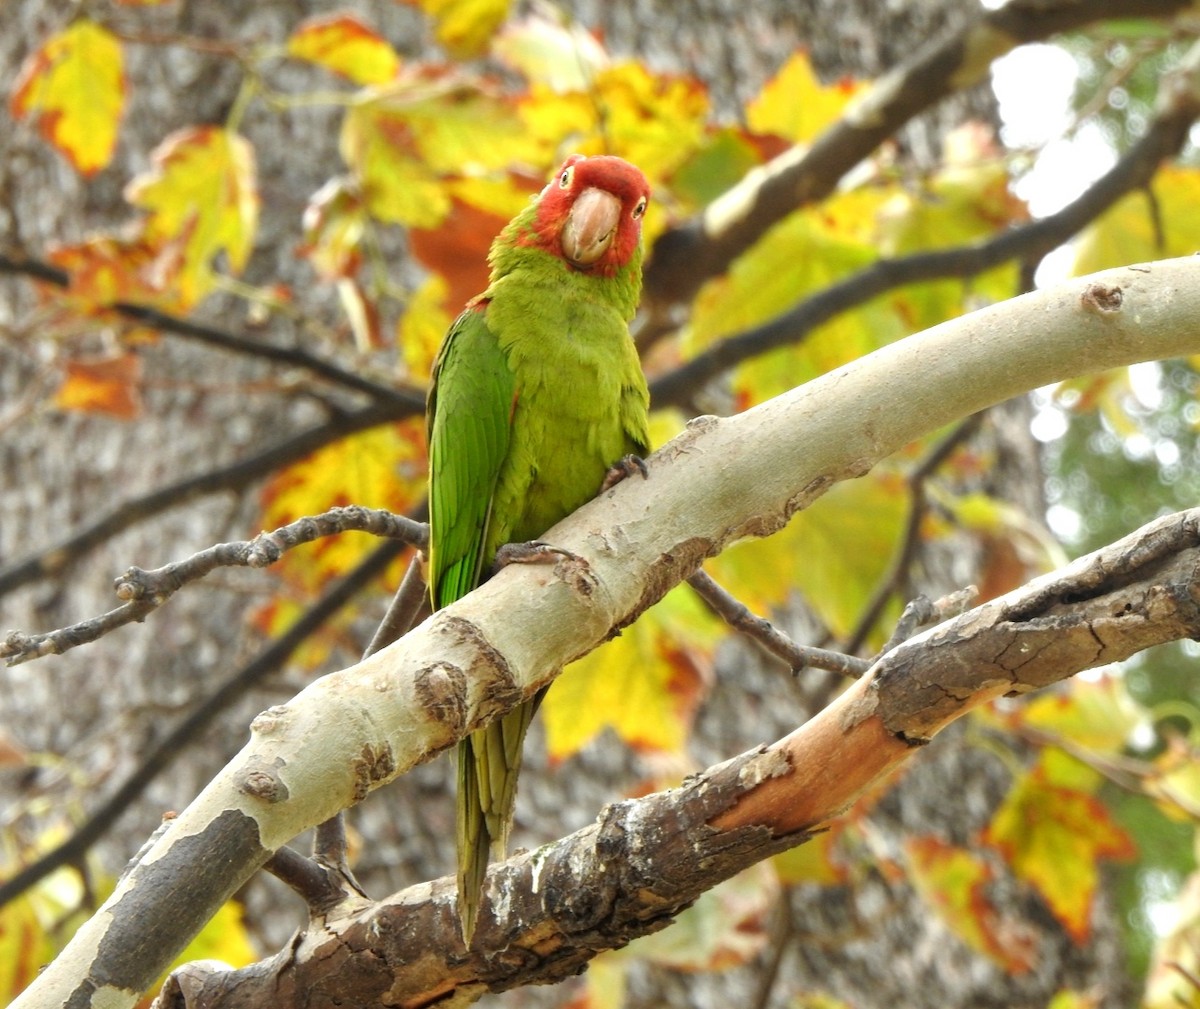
644, 860
1179, 107
689, 254
721, 480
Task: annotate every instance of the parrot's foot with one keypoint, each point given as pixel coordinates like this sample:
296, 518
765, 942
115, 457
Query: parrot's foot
622, 468
532, 552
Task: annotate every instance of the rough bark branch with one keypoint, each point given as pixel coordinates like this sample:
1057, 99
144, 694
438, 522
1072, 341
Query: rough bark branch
721, 480
644, 860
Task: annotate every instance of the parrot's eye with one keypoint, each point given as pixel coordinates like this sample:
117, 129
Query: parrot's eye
640, 208
564, 180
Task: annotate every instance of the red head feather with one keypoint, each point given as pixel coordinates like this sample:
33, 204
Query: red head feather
591, 213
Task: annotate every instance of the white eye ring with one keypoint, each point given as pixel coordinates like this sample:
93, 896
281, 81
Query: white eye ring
640, 208
564, 180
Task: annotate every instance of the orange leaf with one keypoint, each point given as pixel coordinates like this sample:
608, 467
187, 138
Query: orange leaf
103, 270
343, 44
953, 882
74, 88
457, 249
202, 187
102, 385
1054, 836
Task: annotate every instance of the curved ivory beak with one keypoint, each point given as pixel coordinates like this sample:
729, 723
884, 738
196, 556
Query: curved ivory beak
591, 224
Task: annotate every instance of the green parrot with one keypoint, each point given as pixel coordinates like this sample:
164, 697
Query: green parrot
537, 395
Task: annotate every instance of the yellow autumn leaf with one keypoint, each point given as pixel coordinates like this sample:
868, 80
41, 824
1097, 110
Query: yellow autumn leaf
1053, 831
812, 862
25, 946
407, 142
202, 187
834, 553
74, 88
1153, 222
953, 881
644, 685
383, 467
653, 120
1096, 714
465, 27
422, 327
795, 105
343, 44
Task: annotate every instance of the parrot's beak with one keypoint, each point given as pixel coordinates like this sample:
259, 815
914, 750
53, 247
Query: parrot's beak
591, 224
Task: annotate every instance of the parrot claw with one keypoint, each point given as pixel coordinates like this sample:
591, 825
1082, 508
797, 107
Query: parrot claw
624, 467
532, 552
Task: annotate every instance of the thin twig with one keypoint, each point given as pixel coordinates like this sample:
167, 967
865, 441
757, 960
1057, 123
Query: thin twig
145, 591
213, 336
406, 605
764, 634
911, 536
235, 686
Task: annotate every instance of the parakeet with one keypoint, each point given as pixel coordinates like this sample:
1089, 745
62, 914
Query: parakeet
537, 392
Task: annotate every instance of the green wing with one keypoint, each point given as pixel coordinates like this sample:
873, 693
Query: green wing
469, 419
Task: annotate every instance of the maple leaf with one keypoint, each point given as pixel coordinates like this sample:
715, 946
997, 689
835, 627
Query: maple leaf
645, 685
406, 142
796, 105
465, 27
344, 45
74, 88
953, 882
202, 186
1053, 832
102, 385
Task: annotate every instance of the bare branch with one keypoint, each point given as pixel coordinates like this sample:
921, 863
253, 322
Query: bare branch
145, 591
768, 637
